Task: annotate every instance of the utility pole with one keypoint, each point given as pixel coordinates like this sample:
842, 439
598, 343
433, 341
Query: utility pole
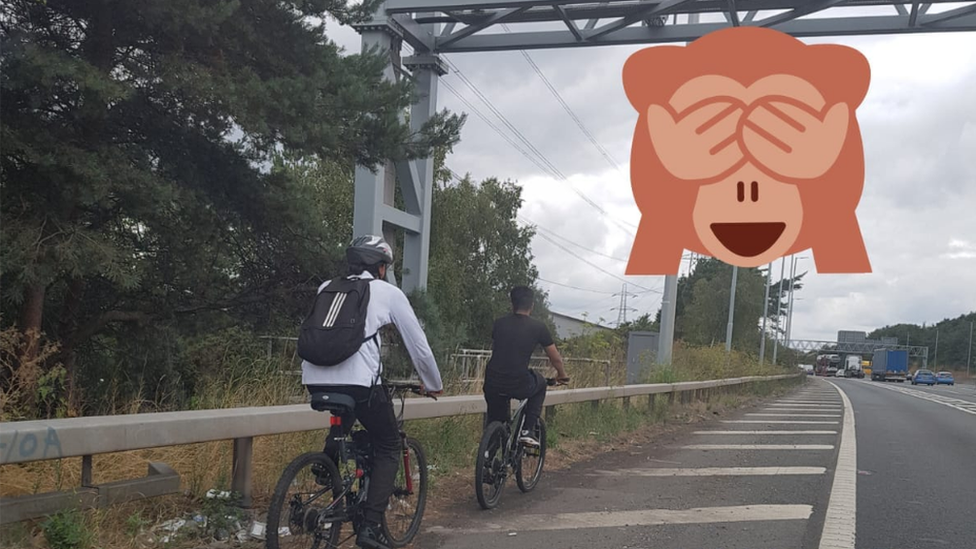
969, 352
936, 364
622, 310
779, 304
728, 331
762, 342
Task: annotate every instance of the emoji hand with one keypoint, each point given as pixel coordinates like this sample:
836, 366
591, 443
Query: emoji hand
700, 145
795, 142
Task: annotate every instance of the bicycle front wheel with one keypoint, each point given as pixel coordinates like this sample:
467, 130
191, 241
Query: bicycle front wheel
401, 521
303, 502
489, 468
531, 460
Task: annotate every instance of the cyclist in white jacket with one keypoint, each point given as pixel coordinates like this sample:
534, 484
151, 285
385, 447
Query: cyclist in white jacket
358, 376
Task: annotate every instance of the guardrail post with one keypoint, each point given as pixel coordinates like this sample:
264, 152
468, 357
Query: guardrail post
550, 413
650, 402
626, 403
86, 471
243, 469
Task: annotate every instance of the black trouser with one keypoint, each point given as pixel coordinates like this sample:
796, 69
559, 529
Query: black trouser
498, 395
374, 410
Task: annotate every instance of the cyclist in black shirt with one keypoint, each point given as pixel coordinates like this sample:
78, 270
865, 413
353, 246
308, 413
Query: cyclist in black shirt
507, 374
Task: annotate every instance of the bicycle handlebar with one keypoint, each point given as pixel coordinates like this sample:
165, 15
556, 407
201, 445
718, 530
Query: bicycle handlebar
551, 381
414, 388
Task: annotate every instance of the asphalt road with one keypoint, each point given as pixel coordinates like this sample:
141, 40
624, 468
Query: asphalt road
766, 486
894, 463
916, 455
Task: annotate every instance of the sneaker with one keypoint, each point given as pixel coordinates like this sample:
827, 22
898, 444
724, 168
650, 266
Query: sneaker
371, 536
527, 439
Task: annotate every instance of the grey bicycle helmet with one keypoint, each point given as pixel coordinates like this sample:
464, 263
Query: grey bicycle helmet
369, 250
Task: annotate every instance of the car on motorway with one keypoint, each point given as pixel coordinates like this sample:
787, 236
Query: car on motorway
925, 377
944, 378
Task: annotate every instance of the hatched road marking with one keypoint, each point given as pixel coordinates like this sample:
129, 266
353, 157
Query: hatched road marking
716, 472
648, 517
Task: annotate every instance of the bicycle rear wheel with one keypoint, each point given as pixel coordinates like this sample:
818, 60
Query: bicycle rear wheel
536, 459
295, 522
401, 521
489, 468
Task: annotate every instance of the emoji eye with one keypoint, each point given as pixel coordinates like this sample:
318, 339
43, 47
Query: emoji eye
755, 191
742, 191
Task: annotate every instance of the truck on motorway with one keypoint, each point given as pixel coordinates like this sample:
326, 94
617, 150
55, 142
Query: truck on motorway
889, 364
827, 365
851, 367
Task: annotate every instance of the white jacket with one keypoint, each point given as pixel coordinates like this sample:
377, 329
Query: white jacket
387, 304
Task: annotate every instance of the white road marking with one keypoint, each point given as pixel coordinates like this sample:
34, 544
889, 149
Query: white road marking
758, 447
840, 522
779, 422
716, 472
643, 517
804, 406
797, 414
775, 408
836, 402
765, 432
958, 404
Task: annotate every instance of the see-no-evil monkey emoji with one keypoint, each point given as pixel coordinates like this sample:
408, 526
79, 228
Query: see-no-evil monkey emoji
747, 149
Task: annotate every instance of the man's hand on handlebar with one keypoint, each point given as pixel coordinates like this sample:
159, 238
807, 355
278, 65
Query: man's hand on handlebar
563, 380
431, 394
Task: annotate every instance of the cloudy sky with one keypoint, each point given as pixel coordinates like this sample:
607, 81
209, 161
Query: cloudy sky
917, 212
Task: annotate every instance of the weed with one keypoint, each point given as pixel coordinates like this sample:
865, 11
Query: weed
68, 529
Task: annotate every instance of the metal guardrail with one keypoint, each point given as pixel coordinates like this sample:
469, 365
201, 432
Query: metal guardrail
27, 441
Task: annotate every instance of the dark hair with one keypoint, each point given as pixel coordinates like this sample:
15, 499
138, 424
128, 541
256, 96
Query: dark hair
358, 268
522, 297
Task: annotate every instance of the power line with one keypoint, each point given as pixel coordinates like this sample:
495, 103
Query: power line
605, 153
552, 170
574, 287
554, 233
594, 265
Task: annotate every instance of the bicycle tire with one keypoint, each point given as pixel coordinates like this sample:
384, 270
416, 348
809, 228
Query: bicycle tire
421, 497
524, 485
494, 430
281, 491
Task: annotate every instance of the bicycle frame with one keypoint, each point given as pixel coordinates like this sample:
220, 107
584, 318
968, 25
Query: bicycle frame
362, 460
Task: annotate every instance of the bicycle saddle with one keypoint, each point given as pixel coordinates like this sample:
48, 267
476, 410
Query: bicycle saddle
333, 402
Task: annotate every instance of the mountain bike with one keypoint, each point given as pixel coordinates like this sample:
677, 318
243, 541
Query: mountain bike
501, 452
335, 490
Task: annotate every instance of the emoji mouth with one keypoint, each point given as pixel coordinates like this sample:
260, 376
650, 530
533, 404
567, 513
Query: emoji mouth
748, 239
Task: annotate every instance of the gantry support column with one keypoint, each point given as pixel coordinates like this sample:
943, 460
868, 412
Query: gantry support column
373, 209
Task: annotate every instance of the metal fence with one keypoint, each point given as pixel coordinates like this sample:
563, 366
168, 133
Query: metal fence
27, 441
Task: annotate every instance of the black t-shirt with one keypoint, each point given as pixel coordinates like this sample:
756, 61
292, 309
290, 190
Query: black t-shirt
514, 338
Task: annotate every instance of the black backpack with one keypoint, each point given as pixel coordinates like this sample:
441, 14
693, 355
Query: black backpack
336, 327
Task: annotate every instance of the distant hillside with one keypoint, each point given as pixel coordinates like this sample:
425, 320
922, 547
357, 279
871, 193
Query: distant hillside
953, 339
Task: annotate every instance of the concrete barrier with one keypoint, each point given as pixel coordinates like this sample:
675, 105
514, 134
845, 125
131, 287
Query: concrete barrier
26, 441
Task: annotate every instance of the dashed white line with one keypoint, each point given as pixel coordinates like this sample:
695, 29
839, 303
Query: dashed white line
840, 522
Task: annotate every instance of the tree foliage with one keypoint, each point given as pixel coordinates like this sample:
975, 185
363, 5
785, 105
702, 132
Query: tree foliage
170, 166
954, 346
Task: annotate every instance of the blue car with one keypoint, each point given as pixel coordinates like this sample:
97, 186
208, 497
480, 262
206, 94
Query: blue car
925, 377
944, 378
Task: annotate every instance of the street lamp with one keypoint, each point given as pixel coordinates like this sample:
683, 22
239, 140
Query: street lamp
789, 313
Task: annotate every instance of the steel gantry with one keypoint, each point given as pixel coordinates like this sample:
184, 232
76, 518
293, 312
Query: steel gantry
433, 27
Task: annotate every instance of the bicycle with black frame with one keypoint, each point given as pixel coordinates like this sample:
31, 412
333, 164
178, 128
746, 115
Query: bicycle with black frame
338, 488
501, 452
